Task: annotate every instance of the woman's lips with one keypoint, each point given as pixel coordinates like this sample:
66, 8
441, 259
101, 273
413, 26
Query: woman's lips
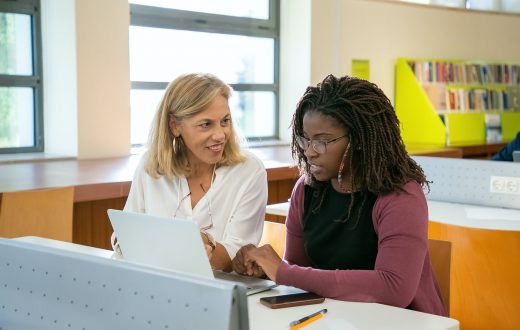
315, 168
216, 147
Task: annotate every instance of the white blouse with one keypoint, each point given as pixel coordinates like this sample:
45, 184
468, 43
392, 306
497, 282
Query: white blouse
238, 197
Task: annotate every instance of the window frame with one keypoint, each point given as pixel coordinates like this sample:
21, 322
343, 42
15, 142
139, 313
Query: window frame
174, 19
34, 81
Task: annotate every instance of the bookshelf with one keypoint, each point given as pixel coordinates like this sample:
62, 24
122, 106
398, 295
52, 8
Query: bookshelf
457, 103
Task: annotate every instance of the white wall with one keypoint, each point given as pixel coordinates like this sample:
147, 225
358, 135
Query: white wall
103, 78
380, 31
295, 58
86, 77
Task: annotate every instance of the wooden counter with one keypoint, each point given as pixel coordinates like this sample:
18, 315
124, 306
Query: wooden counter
111, 177
479, 150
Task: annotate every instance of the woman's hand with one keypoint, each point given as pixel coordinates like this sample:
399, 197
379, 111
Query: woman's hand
264, 257
257, 262
208, 244
209, 251
239, 263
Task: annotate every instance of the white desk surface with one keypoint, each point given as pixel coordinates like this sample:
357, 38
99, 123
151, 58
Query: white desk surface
464, 215
340, 315
280, 209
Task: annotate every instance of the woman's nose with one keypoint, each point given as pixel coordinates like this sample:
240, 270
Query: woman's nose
219, 134
310, 152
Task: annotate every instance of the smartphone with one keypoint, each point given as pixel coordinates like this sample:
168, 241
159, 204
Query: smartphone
291, 300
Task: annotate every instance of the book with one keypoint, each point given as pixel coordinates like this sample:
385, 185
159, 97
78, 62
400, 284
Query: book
437, 94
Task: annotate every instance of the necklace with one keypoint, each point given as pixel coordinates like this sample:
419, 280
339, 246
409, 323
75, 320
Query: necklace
183, 197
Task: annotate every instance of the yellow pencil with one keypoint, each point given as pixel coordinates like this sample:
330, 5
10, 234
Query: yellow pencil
308, 319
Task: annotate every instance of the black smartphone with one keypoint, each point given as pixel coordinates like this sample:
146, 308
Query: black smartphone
291, 300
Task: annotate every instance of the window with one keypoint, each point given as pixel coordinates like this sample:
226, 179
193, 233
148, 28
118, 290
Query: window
21, 116
510, 6
238, 41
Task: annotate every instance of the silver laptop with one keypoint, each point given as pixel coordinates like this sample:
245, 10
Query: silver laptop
173, 244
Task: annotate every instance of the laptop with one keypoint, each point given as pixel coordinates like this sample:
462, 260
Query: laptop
173, 244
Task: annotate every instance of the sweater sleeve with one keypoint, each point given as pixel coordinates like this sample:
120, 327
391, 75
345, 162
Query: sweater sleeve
401, 224
294, 250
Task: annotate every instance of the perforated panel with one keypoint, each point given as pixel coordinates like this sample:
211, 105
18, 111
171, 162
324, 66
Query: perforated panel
468, 181
46, 288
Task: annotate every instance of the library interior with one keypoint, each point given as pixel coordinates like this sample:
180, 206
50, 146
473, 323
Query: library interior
81, 82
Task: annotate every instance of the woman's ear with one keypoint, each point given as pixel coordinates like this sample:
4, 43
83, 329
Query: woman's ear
174, 127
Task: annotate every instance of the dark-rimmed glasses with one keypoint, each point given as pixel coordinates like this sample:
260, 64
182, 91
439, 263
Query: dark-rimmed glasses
320, 146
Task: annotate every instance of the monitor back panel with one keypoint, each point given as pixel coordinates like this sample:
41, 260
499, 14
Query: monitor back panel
468, 181
48, 288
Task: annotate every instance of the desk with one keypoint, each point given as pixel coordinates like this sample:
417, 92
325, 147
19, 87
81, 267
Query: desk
341, 315
279, 209
480, 150
485, 286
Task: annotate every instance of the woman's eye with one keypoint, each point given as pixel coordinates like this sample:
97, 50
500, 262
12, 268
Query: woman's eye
226, 122
205, 125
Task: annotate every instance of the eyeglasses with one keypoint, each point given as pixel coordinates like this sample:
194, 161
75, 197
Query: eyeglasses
320, 146
209, 207
208, 197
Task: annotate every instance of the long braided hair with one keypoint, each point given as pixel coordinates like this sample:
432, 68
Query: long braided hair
379, 163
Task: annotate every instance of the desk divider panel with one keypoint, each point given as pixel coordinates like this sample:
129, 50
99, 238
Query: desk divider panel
47, 288
470, 181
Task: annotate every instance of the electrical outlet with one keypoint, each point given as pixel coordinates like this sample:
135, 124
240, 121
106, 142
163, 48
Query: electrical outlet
505, 185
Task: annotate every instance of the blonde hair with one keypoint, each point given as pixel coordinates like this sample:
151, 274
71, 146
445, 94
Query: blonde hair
185, 97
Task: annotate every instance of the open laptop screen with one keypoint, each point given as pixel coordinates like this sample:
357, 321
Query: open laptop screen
173, 244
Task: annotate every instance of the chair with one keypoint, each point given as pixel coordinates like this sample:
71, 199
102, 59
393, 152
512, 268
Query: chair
274, 234
45, 213
440, 259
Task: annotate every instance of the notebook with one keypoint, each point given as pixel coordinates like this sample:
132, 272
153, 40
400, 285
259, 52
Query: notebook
173, 244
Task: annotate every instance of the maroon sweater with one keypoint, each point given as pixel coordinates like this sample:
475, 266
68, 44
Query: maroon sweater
402, 275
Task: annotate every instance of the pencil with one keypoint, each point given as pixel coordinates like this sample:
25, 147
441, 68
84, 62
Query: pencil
304, 323
307, 319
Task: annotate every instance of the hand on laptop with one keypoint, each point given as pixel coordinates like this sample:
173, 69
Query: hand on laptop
209, 251
239, 264
209, 243
266, 258
257, 262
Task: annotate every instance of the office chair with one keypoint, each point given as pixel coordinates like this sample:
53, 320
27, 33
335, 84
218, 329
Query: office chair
44, 213
440, 258
274, 234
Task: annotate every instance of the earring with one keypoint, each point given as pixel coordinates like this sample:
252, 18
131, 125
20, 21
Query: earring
341, 166
176, 144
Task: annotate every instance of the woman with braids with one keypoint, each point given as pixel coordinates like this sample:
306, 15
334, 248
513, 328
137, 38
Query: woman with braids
357, 227
194, 169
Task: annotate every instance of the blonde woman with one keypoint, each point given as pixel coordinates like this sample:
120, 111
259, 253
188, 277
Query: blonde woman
194, 168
